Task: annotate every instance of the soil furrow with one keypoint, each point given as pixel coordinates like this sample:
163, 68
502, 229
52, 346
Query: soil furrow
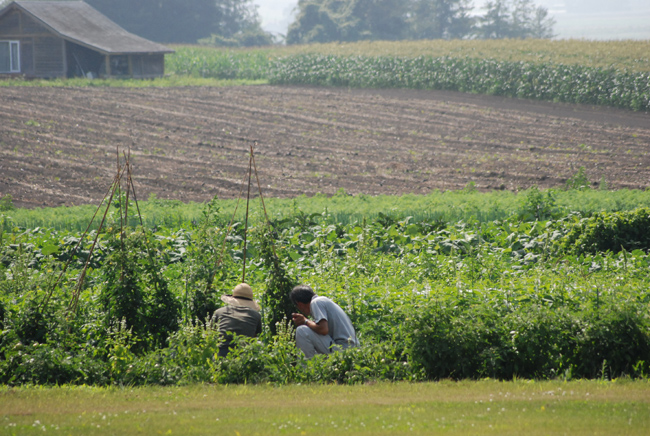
57, 145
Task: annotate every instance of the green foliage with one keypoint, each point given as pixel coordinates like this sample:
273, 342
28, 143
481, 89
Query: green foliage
206, 262
542, 81
448, 206
354, 20
613, 342
514, 19
183, 21
279, 284
607, 231
349, 20
31, 325
440, 19
538, 205
541, 293
134, 291
585, 72
477, 341
220, 64
6, 203
579, 181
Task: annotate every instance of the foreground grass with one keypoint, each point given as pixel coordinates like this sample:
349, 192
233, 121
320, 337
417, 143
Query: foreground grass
463, 408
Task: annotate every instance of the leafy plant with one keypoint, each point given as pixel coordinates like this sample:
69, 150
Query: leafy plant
134, 291
579, 181
607, 231
278, 284
538, 205
6, 203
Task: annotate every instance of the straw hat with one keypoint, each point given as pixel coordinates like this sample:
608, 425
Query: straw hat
242, 295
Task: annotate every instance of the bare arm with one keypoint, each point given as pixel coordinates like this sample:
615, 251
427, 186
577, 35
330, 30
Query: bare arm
321, 327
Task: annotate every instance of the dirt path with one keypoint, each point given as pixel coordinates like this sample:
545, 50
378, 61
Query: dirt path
57, 145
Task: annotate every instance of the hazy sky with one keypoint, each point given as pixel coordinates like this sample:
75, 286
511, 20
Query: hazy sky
616, 19
275, 14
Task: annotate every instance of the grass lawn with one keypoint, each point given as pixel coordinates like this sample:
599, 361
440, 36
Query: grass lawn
450, 408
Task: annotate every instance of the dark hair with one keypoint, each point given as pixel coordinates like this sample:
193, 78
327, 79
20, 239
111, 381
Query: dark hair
302, 294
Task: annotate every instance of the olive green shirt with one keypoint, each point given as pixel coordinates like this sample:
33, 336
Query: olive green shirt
239, 320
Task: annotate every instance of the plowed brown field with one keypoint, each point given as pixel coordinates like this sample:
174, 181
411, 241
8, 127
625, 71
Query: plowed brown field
58, 145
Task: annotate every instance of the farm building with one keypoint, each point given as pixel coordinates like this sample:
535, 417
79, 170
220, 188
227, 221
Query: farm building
47, 39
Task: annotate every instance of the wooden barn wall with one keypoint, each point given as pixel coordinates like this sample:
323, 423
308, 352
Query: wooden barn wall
10, 25
153, 66
31, 27
49, 56
41, 53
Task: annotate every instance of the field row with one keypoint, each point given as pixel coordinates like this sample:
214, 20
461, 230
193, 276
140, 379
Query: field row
464, 69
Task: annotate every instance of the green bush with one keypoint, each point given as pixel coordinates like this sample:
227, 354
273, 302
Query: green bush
610, 231
535, 342
6, 203
612, 343
542, 337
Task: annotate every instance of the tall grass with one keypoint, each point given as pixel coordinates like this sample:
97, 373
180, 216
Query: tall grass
449, 206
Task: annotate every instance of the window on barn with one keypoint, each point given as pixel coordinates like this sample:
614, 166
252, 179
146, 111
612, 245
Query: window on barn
9, 57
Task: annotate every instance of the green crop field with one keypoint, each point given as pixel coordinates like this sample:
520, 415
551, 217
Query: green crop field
626, 55
610, 73
547, 284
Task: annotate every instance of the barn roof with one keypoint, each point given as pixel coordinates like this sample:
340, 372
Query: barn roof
78, 22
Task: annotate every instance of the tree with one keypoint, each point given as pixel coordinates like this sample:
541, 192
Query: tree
348, 20
313, 24
541, 25
354, 20
182, 21
514, 19
439, 19
496, 23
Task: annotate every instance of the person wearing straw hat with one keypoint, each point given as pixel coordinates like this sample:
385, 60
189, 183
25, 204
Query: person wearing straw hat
240, 316
330, 328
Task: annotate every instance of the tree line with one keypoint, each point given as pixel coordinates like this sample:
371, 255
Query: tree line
320, 21
237, 22
218, 22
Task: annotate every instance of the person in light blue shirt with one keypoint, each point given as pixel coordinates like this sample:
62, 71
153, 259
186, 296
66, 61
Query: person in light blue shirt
329, 328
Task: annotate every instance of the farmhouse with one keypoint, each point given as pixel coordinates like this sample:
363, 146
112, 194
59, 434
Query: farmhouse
47, 39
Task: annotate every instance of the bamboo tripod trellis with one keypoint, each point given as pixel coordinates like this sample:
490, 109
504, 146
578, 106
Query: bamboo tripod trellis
124, 173
252, 168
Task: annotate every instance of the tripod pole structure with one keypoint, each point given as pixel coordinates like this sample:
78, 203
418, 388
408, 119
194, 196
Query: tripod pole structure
248, 198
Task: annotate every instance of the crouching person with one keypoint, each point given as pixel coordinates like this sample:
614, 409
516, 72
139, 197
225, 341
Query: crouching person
240, 315
329, 328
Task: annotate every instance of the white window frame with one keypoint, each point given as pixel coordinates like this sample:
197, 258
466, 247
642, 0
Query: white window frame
14, 56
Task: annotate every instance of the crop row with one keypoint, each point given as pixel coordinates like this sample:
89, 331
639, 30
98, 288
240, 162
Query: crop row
622, 55
543, 81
